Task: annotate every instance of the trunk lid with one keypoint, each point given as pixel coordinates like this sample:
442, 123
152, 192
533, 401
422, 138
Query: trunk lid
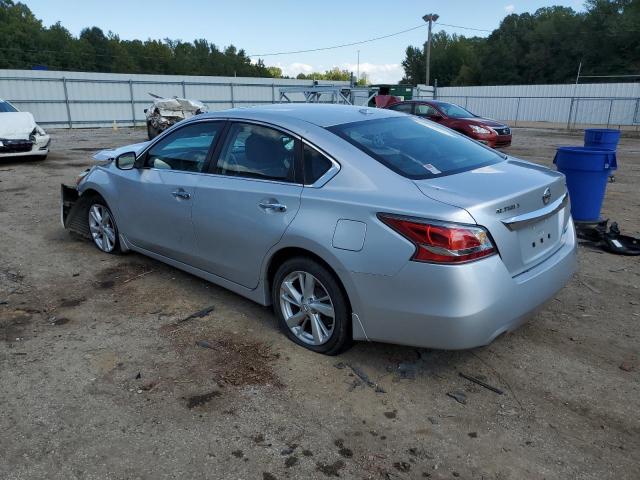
524, 206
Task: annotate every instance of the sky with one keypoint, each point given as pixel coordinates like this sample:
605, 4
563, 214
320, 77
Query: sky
263, 27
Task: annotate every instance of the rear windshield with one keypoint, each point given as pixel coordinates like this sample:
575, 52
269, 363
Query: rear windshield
416, 148
6, 107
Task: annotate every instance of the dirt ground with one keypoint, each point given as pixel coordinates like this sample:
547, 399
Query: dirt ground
100, 377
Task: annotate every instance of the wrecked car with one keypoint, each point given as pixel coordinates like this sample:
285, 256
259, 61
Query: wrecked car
165, 112
353, 223
20, 135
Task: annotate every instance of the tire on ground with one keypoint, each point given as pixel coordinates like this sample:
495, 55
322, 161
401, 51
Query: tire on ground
341, 338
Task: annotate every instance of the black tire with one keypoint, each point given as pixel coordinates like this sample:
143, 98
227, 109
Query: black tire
99, 202
341, 337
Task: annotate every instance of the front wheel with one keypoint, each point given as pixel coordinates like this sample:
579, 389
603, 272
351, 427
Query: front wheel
102, 227
311, 307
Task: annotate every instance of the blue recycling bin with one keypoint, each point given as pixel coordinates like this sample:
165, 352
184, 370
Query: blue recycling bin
587, 170
601, 138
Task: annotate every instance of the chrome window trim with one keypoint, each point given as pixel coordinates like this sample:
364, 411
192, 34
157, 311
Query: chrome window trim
264, 124
328, 175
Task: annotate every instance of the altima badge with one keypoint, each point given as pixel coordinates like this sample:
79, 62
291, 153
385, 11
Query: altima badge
546, 196
508, 208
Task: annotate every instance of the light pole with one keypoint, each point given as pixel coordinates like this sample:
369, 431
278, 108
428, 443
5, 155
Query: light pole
429, 18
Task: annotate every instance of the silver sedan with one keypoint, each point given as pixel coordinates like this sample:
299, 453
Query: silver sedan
353, 223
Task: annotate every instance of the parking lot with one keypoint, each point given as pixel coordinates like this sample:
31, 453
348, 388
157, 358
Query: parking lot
103, 375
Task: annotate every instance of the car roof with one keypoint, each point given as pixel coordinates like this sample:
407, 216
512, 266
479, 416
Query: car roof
322, 115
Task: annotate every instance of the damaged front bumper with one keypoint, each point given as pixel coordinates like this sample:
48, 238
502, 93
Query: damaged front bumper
161, 123
74, 210
36, 146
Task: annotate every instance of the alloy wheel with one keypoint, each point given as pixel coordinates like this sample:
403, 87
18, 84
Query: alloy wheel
307, 308
102, 227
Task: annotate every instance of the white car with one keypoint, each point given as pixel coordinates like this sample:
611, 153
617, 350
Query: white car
20, 135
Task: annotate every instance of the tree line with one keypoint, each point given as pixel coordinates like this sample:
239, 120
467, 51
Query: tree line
530, 48
25, 43
546, 46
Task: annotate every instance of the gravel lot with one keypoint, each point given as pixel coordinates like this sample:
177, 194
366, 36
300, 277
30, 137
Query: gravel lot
100, 379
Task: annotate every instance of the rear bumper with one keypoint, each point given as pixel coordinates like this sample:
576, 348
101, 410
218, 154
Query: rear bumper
458, 307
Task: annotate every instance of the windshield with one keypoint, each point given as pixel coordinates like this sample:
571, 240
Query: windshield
454, 111
416, 148
6, 107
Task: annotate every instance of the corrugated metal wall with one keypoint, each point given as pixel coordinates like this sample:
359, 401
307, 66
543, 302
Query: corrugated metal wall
85, 99
598, 104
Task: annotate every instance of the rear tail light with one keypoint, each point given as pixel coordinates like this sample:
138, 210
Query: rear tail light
437, 242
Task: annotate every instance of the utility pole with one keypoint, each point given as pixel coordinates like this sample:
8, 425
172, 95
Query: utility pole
578, 75
358, 74
429, 18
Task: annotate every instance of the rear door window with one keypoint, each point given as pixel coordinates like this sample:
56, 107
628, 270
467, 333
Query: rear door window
402, 107
416, 148
255, 151
424, 110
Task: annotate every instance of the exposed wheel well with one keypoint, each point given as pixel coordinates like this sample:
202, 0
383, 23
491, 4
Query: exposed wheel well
76, 220
290, 252
91, 193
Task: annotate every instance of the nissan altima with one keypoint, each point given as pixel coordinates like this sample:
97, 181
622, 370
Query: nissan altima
353, 223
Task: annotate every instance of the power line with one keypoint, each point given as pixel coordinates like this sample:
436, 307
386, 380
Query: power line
465, 28
369, 40
337, 46
333, 47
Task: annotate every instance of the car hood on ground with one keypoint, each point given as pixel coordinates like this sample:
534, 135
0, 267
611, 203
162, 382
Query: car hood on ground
16, 125
111, 153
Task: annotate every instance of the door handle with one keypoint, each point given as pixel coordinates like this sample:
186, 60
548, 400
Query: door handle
181, 194
277, 207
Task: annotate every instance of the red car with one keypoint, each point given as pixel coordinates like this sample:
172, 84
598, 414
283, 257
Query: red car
484, 130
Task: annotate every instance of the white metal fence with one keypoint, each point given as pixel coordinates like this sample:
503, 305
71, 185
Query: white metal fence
611, 104
84, 99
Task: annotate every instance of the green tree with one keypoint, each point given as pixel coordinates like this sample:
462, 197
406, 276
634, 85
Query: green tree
536, 48
25, 43
335, 74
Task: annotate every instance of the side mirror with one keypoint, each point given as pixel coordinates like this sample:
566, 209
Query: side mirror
145, 110
126, 161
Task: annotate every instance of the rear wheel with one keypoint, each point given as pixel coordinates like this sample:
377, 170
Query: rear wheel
102, 227
311, 307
